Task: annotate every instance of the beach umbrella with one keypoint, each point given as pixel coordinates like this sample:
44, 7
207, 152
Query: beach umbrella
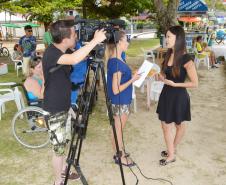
11, 25
33, 25
189, 19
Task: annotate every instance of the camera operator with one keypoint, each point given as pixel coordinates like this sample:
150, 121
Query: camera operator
58, 87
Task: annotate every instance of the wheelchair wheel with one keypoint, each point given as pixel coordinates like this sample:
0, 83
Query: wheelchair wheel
29, 127
4, 52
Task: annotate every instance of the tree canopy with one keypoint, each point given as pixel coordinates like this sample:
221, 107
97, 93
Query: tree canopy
41, 10
116, 8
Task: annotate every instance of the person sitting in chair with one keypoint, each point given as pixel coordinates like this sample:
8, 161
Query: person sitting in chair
205, 51
34, 83
17, 54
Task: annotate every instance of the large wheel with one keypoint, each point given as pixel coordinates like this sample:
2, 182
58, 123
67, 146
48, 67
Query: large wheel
29, 127
218, 41
4, 52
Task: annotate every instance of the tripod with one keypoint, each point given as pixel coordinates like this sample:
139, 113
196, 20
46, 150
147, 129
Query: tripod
80, 123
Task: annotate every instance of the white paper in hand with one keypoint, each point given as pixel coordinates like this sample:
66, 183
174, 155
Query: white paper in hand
143, 71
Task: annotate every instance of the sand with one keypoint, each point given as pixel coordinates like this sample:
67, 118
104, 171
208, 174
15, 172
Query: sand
201, 156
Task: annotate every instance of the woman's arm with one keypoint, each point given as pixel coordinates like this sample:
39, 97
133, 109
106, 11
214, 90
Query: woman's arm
116, 87
192, 74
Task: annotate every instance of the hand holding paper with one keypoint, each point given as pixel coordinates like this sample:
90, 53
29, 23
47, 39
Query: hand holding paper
143, 71
136, 76
146, 69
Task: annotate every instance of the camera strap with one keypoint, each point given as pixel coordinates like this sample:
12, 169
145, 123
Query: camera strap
51, 71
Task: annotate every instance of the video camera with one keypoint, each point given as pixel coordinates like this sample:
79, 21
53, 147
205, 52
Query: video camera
87, 27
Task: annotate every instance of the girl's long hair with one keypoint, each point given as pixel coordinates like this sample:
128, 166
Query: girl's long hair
179, 50
33, 64
111, 47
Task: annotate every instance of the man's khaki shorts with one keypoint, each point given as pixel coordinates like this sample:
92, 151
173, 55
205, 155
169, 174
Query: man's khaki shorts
59, 131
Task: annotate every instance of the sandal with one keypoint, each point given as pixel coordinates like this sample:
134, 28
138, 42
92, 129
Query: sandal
126, 155
164, 162
72, 175
164, 153
131, 164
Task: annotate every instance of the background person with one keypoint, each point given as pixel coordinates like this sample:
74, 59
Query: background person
77, 77
27, 45
17, 55
174, 102
47, 38
58, 87
205, 51
119, 85
34, 83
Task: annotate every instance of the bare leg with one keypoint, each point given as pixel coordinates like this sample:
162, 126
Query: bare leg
57, 167
168, 136
180, 130
119, 126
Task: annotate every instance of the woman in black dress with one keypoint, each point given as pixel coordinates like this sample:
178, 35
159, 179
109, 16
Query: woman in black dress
174, 101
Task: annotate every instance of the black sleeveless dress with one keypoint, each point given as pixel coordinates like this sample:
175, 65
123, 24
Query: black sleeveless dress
174, 102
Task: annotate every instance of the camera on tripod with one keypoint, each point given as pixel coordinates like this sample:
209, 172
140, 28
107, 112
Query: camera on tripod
87, 27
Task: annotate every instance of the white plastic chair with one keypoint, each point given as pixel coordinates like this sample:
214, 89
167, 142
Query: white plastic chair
156, 89
148, 55
18, 64
134, 99
148, 81
201, 58
10, 94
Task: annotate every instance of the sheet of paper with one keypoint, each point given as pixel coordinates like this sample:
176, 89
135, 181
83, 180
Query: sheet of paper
143, 71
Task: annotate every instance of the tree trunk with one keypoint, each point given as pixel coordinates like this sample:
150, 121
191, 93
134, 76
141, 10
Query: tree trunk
165, 14
46, 25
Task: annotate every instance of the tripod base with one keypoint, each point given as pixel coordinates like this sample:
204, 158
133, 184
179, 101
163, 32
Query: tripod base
80, 125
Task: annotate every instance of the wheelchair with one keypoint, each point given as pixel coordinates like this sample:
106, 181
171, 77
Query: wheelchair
220, 37
29, 125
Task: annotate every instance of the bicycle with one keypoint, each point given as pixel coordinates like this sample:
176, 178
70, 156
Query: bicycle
4, 51
29, 125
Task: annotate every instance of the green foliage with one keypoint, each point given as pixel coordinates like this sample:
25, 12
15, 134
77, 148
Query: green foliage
41, 10
217, 4
114, 9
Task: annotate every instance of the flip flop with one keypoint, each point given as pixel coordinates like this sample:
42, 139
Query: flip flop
164, 162
124, 164
126, 155
164, 153
71, 176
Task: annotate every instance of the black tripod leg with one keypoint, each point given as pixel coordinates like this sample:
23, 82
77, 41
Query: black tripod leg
81, 128
70, 158
111, 118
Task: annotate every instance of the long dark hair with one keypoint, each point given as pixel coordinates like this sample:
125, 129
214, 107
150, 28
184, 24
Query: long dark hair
179, 50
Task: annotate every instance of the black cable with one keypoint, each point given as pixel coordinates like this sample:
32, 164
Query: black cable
123, 147
123, 143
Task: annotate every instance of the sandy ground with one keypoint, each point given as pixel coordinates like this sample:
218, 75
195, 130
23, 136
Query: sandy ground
201, 157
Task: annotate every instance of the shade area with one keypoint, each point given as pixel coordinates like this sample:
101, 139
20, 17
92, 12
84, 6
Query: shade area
189, 19
11, 25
